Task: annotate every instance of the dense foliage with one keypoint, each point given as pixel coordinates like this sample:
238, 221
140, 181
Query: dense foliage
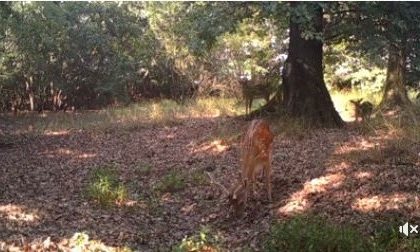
55, 55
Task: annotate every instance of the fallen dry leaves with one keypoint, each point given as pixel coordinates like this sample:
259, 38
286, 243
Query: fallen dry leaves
341, 174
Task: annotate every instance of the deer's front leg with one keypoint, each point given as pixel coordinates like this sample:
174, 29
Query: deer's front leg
249, 105
267, 171
254, 181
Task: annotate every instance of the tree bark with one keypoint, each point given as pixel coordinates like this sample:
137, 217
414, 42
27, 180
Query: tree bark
304, 92
395, 93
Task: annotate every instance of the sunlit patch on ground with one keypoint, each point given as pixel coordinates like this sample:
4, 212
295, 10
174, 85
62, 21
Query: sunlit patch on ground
298, 202
215, 147
170, 136
86, 155
64, 151
295, 206
363, 175
321, 184
68, 152
57, 133
386, 202
17, 213
78, 242
333, 172
213, 114
342, 166
388, 134
362, 144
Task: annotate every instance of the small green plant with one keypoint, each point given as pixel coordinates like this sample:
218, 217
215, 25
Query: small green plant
172, 182
82, 242
80, 239
389, 239
154, 204
313, 234
198, 177
105, 188
204, 241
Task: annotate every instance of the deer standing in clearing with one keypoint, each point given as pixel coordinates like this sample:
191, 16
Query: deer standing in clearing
256, 156
256, 153
251, 91
362, 110
260, 86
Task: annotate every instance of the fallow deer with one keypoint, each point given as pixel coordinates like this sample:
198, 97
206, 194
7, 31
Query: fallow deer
260, 85
362, 110
254, 89
256, 156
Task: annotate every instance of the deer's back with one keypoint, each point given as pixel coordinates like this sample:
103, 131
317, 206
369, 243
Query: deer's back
257, 142
254, 88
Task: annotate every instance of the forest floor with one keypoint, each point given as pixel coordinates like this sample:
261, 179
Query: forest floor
360, 176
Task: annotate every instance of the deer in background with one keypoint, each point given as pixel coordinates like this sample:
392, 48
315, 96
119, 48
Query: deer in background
362, 110
254, 89
259, 86
256, 156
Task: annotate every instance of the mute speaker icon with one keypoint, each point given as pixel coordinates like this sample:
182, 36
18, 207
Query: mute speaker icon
404, 229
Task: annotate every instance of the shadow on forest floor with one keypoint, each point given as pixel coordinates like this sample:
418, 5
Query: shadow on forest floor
344, 175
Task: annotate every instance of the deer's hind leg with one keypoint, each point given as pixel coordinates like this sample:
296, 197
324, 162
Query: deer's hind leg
248, 106
267, 173
254, 181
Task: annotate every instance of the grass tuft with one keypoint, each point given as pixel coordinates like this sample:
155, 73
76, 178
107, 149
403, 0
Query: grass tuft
203, 241
105, 188
172, 182
134, 117
313, 234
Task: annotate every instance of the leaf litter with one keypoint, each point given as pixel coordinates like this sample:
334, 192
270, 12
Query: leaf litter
343, 175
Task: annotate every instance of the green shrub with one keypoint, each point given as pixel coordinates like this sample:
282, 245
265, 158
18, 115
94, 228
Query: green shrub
105, 188
204, 241
313, 234
389, 239
316, 234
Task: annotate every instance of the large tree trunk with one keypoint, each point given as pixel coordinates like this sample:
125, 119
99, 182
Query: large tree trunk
304, 92
395, 93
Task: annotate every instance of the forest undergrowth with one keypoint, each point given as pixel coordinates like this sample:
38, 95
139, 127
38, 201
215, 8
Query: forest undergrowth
135, 179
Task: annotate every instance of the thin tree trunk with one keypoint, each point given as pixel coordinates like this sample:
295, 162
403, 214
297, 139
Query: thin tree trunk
29, 89
395, 93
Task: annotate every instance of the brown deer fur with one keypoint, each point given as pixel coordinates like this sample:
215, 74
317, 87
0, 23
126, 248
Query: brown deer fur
256, 155
251, 91
362, 110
